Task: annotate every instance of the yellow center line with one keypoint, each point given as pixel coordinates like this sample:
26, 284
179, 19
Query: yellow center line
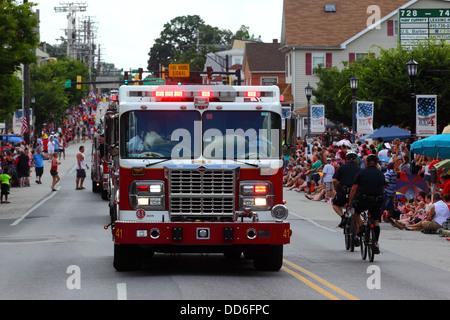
319, 279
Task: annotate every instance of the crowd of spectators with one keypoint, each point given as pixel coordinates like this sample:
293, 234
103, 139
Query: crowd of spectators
310, 169
18, 158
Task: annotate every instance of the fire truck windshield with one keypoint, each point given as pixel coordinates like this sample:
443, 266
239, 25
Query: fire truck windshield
189, 134
241, 135
158, 134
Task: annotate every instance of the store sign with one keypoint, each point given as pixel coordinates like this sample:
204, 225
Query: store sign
416, 25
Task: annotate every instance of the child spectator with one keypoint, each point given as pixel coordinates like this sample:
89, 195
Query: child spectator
4, 178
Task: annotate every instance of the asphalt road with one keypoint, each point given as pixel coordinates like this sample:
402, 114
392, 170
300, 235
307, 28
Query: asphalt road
58, 250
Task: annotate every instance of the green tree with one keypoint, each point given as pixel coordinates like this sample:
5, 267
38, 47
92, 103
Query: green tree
47, 85
10, 95
187, 39
18, 37
384, 80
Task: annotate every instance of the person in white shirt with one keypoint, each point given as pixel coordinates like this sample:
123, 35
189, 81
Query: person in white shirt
328, 172
439, 213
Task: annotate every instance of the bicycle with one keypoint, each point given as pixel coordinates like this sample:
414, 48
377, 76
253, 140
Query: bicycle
350, 230
367, 238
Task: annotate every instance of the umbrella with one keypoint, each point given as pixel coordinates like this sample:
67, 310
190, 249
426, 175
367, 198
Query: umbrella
401, 196
437, 146
444, 164
446, 129
344, 141
410, 185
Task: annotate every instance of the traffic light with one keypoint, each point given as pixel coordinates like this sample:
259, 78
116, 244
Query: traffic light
163, 74
226, 79
209, 71
78, 80
140, 70
125, 77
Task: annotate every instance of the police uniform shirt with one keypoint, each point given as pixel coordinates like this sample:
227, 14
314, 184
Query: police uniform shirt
370, 181
346, 173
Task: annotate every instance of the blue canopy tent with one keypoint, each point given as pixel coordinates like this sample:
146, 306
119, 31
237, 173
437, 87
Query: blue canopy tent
388, 134
12, 138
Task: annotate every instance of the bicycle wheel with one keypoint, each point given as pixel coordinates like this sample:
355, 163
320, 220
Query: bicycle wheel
347, 236
352, 235
363, 247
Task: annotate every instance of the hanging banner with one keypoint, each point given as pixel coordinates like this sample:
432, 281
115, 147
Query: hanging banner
317, 118
426, 115
364, 111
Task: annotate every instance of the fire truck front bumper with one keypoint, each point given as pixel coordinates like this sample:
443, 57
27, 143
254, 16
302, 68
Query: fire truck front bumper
202, 233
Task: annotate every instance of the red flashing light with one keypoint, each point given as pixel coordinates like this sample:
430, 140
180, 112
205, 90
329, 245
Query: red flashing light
260, 189
143, 189
162, 94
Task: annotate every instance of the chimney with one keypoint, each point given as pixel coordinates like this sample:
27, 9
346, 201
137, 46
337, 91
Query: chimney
275, 41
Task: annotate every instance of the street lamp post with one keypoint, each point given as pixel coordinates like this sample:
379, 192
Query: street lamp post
354, 86
412, 67
308, 92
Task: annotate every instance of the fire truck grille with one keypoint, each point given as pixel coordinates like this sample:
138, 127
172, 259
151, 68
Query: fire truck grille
201, 192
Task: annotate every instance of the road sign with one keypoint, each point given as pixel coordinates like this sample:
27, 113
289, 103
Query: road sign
421, 24
179, 70
155, 82
68, 84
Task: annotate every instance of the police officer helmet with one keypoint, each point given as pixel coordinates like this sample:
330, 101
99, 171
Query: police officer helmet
351, 155
372, 158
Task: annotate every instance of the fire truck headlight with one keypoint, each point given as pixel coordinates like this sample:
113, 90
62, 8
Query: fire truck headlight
260, 202
280, 212
143, 201
155, 188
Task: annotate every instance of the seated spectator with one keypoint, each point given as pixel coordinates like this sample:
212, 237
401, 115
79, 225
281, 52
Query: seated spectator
439, 213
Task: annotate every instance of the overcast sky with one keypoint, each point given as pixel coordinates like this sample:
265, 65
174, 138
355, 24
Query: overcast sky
126, 29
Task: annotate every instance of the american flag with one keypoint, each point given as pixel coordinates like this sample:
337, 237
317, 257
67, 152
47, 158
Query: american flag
365, 109
23, 120
426, 106
317, 112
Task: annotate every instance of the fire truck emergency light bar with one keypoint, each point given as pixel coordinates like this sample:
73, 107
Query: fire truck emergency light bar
191, 93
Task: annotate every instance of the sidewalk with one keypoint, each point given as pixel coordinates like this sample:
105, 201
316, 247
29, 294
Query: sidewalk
23, 199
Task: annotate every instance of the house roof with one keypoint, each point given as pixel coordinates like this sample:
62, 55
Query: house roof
306, 23
264, 57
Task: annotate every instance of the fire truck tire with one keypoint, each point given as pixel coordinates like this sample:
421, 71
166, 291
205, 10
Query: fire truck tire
126, 257
95, 188
104, 194
268, 258
232, 253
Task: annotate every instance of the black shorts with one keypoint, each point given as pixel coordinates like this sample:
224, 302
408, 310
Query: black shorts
39, 171
53, 172
23, 174
374, 208
340, 199
5, 189
81, 173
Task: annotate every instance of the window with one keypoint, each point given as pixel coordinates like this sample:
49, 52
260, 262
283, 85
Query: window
269, 81
317, 58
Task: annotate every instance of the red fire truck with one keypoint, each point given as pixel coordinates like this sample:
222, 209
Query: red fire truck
198, 169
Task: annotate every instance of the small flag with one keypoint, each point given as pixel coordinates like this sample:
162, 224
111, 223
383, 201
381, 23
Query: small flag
23, 120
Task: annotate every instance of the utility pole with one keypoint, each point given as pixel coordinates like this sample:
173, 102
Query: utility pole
26, 97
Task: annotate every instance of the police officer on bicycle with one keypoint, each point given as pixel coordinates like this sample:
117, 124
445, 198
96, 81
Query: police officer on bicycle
343, 180
367, 194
